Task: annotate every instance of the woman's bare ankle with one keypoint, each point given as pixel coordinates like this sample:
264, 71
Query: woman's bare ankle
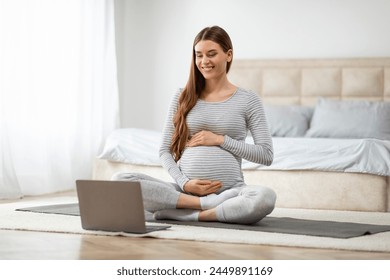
208, 215
188, 202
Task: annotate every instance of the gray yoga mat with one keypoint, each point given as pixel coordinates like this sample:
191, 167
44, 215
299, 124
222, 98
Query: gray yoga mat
268, 224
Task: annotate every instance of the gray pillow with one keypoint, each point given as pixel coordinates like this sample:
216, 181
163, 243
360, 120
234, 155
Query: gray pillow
350, 119
288, 120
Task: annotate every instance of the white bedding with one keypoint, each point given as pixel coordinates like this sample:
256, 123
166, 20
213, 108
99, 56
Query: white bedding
140, 146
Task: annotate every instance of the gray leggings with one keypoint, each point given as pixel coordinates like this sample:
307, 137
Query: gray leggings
251, 204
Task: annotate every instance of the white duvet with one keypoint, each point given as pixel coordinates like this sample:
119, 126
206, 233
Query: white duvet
140, 146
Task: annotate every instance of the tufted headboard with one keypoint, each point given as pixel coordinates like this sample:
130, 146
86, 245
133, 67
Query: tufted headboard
302, 81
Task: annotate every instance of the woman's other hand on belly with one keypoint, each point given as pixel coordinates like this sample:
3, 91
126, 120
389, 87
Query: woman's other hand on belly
202, 187
205, 138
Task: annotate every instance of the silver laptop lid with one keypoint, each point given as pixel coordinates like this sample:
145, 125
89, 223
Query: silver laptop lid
111, 206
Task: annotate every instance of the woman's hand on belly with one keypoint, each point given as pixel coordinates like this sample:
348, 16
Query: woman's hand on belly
202, 187
205, 138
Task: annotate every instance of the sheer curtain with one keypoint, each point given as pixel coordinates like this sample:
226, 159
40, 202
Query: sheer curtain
58, 92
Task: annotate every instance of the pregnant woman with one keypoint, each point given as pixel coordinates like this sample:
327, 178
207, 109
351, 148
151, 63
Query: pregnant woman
204, 143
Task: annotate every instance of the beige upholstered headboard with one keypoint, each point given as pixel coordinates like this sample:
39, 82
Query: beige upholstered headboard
303, 81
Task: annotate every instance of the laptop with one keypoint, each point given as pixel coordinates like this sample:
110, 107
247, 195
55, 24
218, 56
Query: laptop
112, 206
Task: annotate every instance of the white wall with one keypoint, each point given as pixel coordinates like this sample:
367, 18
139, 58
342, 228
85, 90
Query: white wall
155, 39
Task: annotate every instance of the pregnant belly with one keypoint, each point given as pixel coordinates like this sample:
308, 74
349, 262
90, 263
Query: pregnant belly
211, 163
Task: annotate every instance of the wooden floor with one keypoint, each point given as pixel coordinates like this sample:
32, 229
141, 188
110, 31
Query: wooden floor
28, 245
16, 245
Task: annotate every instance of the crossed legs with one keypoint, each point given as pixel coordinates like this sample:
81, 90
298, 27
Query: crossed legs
243, 205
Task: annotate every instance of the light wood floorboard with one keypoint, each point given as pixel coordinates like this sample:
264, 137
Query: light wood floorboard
27, 245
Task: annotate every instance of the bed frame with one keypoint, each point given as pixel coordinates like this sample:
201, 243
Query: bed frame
301, 82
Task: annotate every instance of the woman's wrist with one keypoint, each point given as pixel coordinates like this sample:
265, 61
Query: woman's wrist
220, 139
185, 185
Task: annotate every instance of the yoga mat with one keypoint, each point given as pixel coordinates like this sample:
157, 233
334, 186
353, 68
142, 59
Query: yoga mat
268, 224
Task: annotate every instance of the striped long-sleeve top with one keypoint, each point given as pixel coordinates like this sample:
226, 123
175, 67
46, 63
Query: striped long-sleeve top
232, 118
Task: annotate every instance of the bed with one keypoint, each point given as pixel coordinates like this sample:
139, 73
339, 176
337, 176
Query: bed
330, 122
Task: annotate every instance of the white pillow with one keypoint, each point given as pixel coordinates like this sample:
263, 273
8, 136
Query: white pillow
350, 119
288, 120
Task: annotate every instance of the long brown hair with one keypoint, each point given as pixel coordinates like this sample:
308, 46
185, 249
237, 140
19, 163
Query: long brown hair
194, 87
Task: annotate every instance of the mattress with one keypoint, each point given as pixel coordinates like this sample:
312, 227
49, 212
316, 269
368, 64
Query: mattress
295, 189
371, 156
314, 173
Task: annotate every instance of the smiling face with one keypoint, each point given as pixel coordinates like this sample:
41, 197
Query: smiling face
211, 60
